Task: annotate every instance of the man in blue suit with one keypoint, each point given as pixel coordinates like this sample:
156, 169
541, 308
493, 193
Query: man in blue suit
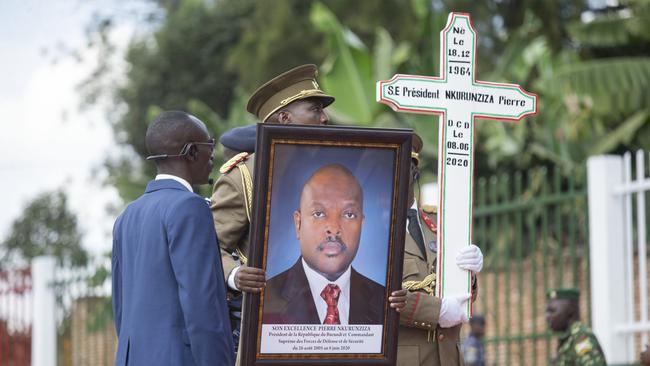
168, 287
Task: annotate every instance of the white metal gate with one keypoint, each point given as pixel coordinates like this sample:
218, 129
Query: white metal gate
618, 230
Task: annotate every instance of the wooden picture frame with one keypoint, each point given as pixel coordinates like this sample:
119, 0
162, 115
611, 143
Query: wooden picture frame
282, 326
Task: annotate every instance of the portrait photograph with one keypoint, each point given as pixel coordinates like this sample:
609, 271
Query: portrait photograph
326, 240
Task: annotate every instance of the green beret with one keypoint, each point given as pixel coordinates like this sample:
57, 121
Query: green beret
295, 84
563, 293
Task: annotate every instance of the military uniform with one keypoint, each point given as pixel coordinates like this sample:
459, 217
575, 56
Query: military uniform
231, 206
579, 347
231, 202
421, 340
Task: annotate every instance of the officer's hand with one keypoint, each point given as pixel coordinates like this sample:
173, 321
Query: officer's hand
250, 279
397, 300
451, 310
470, 258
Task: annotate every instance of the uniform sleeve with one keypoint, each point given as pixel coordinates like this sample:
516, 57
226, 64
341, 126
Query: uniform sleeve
116, 279
229, 216
201, 286
422, 309
588, 352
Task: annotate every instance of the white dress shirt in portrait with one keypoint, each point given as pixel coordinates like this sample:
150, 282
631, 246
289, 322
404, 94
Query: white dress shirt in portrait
317, 283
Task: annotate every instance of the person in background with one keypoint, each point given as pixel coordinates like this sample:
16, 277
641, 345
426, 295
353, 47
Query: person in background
473, 347
577, 344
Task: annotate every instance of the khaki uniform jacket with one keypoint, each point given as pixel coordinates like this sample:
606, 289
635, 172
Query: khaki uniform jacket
228, 207
421, 341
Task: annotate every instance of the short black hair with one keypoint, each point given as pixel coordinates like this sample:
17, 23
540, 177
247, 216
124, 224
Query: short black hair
168, 132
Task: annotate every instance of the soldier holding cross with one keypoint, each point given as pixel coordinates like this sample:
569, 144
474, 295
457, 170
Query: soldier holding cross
429, 332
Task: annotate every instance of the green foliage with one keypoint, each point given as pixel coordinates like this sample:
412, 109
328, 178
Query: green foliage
611, 86
182, 65
606, 32
46, 227
347, 72
276, 37
207, 57
280, 34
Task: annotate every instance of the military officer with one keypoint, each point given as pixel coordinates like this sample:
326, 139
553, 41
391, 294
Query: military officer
293, 97
577, 344
429, 332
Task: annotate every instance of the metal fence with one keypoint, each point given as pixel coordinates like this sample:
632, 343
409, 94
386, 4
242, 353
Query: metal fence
86, 335
532, 228
15, 316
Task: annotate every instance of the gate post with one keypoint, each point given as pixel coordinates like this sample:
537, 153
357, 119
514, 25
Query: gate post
44, 310
607, 260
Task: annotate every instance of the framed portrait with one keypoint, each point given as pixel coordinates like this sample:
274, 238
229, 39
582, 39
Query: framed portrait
328, 228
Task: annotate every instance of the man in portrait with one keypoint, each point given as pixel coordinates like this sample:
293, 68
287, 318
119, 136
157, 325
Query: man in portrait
322, 287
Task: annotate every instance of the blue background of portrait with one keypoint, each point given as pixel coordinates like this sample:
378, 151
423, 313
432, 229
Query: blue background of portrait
373, 168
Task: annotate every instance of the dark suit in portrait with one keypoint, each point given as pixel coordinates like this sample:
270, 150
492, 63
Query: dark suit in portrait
288, 299
168, 286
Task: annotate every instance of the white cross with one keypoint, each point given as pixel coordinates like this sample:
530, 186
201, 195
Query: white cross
459, 99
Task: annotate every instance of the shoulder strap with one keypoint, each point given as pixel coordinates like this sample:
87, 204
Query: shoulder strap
230, 164
247, 181
248, 189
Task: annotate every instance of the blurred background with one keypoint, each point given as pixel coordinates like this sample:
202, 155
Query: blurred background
81, 80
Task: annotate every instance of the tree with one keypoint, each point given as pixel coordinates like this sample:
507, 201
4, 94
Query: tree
207, 57
46, 227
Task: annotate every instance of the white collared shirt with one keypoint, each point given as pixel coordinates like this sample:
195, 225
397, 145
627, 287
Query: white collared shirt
180, 180
317, 283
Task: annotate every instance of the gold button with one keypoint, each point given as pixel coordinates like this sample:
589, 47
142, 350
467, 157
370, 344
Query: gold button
441, 337
429, 325
415, 323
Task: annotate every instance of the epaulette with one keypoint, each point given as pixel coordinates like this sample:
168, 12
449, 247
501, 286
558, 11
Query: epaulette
430, 209
233, 162
428, 220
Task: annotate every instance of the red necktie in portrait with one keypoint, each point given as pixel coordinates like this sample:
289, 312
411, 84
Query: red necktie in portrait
331, 294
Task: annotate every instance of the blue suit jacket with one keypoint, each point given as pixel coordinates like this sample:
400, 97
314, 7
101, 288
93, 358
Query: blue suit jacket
168, 287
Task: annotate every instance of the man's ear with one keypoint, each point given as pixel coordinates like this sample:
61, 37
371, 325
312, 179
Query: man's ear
296, 223
284, 117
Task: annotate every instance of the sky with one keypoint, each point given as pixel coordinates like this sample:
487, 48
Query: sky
46, 141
